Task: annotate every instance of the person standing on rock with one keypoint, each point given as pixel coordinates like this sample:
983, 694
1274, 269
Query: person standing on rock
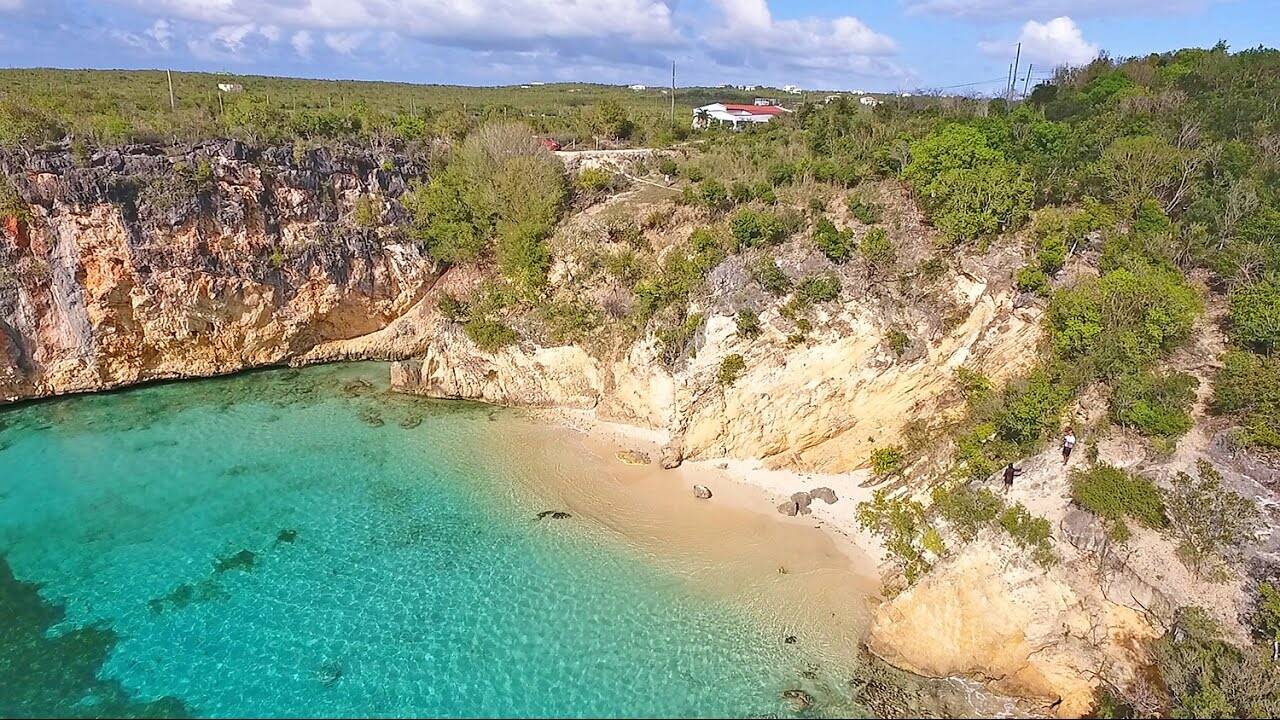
1010, 472
1068, 444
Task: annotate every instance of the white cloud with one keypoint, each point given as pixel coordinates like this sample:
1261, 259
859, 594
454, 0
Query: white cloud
302, 42
345, 42
843, 45
161, 33
495, 23
982, 9
1056, 42
237, 42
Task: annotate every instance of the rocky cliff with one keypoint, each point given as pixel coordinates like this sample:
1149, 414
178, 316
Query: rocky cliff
142, 262
817, 402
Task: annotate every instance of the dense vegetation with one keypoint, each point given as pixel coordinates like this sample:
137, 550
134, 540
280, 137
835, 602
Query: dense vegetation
109, 106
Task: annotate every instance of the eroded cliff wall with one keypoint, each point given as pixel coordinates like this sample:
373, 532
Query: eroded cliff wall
143, 262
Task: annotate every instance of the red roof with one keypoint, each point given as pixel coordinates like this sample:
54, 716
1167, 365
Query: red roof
755, 109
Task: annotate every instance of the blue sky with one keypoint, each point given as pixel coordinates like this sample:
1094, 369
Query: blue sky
867, 44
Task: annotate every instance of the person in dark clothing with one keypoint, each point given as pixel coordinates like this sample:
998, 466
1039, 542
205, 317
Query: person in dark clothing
1010, 472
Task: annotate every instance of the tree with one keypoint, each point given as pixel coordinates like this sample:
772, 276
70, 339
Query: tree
610, 119
1211, 521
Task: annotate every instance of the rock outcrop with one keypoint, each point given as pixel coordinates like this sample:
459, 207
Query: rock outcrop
144, 263
988, 614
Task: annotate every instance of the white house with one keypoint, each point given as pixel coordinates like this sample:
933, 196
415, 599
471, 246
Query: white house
230, 87
636, 87
868, 101
793, 89
765, 102
734, 114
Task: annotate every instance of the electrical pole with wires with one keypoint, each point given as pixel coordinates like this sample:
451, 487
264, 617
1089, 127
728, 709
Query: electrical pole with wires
1017, 58
1027, 83
673, 94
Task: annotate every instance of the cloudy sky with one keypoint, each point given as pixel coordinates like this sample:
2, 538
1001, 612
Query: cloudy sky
848, 44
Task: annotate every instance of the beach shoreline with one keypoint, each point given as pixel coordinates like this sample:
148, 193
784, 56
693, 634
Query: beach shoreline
771, 486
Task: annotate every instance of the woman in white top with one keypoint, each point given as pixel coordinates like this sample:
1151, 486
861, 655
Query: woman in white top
1068, 443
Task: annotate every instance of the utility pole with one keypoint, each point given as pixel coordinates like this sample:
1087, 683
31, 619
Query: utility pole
1027, 83
673, 94
173, 103
1016, 59
1008, 80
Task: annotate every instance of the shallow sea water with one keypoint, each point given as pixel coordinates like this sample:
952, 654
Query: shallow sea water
306, 543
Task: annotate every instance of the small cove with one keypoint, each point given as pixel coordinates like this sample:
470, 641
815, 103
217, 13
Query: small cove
304, 542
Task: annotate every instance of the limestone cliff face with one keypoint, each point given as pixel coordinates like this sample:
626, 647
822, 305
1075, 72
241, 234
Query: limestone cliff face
821, 404
989, 614
145, 263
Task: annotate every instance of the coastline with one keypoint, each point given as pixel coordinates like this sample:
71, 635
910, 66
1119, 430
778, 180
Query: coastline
823, 599
764, 488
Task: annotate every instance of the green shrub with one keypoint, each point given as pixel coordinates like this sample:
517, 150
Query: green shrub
867, 211
1255, 317
752, 228
901, 524
594, 181
675, 340
764, 192
967, 511
1208, 676
968, 187
887, 461
453, 309
363, 213
1029, 532
730, 368
740, 192
1123, 320
748, 324
1032, 408
523, 256
1150, 220
1033, 279
768, 275
489, 335
818, 288
693, 173
11, 203
898, 341
667, 166
569, 321
1114, 495
1156, 405
877, 249
1249, 384
836, 244
712, 194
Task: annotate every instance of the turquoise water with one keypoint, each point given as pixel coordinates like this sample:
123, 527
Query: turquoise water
306, 543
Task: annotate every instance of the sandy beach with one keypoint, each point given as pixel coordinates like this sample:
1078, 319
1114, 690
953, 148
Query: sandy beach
814, 571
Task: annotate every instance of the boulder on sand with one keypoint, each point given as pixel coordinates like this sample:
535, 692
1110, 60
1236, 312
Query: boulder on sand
802, 500
824, 494
702, 492
789, 508
672, 456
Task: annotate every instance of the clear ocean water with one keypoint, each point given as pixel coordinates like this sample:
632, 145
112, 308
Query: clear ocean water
306, 543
